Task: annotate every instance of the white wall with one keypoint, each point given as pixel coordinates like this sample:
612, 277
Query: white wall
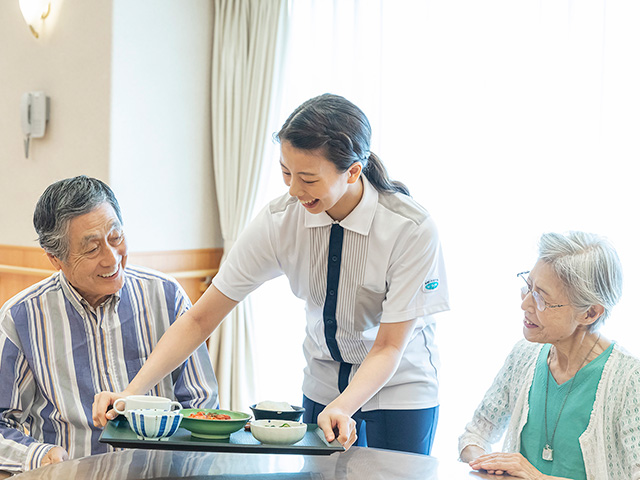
71, 63
161, 166
129, 88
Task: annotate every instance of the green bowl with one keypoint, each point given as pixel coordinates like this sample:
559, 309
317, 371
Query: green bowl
213, 429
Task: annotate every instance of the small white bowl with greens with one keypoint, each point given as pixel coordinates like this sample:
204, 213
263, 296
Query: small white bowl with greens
278, 432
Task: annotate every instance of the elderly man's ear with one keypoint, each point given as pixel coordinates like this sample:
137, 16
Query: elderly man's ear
55, 261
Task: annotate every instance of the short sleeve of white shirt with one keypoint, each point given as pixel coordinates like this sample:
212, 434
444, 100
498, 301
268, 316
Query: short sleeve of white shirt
416, 277
251, 261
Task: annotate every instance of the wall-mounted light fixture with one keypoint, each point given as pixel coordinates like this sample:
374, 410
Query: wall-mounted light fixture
34, 13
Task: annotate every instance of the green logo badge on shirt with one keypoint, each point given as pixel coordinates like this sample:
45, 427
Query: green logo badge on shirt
430, 285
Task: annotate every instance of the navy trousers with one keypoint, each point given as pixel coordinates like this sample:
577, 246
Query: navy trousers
405, 430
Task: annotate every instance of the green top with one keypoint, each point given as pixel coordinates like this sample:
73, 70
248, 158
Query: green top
567, 454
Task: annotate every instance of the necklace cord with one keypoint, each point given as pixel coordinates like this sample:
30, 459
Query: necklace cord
553, 434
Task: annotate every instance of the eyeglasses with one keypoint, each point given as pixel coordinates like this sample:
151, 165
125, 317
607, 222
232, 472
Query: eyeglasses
540, 302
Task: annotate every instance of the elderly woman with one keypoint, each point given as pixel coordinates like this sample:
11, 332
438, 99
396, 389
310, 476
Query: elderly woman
568, 398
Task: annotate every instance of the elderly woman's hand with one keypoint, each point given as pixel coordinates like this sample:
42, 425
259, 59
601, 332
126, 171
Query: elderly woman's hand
334, 420
513, 464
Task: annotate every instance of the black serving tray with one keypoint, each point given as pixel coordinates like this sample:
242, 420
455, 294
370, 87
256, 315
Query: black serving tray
117, 433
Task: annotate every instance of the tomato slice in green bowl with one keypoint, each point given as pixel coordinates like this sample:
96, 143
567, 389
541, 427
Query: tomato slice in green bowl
213, 428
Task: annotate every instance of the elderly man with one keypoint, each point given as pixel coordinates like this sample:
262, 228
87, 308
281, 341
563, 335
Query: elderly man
87, 328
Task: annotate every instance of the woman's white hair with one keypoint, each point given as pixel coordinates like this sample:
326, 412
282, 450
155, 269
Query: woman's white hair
588, 267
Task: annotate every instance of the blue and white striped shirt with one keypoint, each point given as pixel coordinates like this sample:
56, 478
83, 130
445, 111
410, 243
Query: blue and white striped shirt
57, 352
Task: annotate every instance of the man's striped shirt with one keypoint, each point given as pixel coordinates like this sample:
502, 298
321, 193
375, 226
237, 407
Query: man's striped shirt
57, 352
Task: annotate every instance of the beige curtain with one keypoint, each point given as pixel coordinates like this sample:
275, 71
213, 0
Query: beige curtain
246, 45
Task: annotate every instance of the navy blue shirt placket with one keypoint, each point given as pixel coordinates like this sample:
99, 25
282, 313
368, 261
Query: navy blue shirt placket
331, 302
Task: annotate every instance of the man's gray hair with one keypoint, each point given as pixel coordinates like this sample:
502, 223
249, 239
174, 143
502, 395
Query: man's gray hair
60, 203
588, 267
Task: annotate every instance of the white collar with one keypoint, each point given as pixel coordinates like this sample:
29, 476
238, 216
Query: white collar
360, 218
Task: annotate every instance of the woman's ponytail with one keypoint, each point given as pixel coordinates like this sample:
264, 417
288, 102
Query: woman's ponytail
342, 132
377, 175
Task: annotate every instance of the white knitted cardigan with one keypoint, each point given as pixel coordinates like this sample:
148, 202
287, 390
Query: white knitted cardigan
610, 444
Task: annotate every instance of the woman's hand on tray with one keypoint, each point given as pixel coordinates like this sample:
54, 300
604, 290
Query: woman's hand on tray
101, 403
337, 424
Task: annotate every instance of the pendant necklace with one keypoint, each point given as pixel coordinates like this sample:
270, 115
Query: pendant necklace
547, 451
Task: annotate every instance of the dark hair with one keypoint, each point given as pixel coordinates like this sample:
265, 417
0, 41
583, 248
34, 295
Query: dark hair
60, 203
336, 126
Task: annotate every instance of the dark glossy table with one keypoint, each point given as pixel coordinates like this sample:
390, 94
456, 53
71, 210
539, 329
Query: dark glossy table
355, 464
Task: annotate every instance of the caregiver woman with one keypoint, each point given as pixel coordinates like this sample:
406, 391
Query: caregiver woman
366, 259
568, 398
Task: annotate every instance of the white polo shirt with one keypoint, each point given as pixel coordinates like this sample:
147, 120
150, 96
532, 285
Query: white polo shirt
392, 270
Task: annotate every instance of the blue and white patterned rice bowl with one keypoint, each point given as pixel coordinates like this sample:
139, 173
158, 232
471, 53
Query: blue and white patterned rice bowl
154, 424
